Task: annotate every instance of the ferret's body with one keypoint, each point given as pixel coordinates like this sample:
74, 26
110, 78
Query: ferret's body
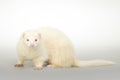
60, 50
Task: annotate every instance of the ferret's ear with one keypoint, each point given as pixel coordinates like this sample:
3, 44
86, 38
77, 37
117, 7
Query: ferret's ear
23, 35
39, 34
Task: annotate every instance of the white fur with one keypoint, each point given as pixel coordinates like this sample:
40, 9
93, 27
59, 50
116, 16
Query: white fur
33, 49
60, 50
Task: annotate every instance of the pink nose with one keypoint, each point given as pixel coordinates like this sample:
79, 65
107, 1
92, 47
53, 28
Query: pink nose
32, 45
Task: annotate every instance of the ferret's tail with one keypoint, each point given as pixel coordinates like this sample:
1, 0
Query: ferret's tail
92, 63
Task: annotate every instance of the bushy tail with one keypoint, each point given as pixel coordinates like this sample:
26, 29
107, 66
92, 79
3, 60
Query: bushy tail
92, 63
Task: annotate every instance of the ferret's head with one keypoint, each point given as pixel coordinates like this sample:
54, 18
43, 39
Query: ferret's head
31, 38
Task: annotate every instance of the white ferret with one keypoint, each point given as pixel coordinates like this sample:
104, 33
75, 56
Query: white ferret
52, 45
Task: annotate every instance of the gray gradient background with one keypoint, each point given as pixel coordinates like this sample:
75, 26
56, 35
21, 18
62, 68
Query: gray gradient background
92, 25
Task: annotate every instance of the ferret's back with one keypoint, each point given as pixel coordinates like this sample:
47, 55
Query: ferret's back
53, 34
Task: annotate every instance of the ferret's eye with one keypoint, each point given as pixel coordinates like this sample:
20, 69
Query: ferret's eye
36, 40
27, 40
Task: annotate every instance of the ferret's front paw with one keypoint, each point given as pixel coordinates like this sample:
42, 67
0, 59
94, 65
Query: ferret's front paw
18, 65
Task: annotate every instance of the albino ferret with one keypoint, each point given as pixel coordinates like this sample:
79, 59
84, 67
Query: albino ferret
52, 46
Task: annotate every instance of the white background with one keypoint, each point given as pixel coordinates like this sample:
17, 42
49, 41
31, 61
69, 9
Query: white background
92, 25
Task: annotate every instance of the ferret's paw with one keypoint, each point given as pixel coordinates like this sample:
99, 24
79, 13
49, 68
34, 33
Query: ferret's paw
38, 68
50, 66
18, 65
